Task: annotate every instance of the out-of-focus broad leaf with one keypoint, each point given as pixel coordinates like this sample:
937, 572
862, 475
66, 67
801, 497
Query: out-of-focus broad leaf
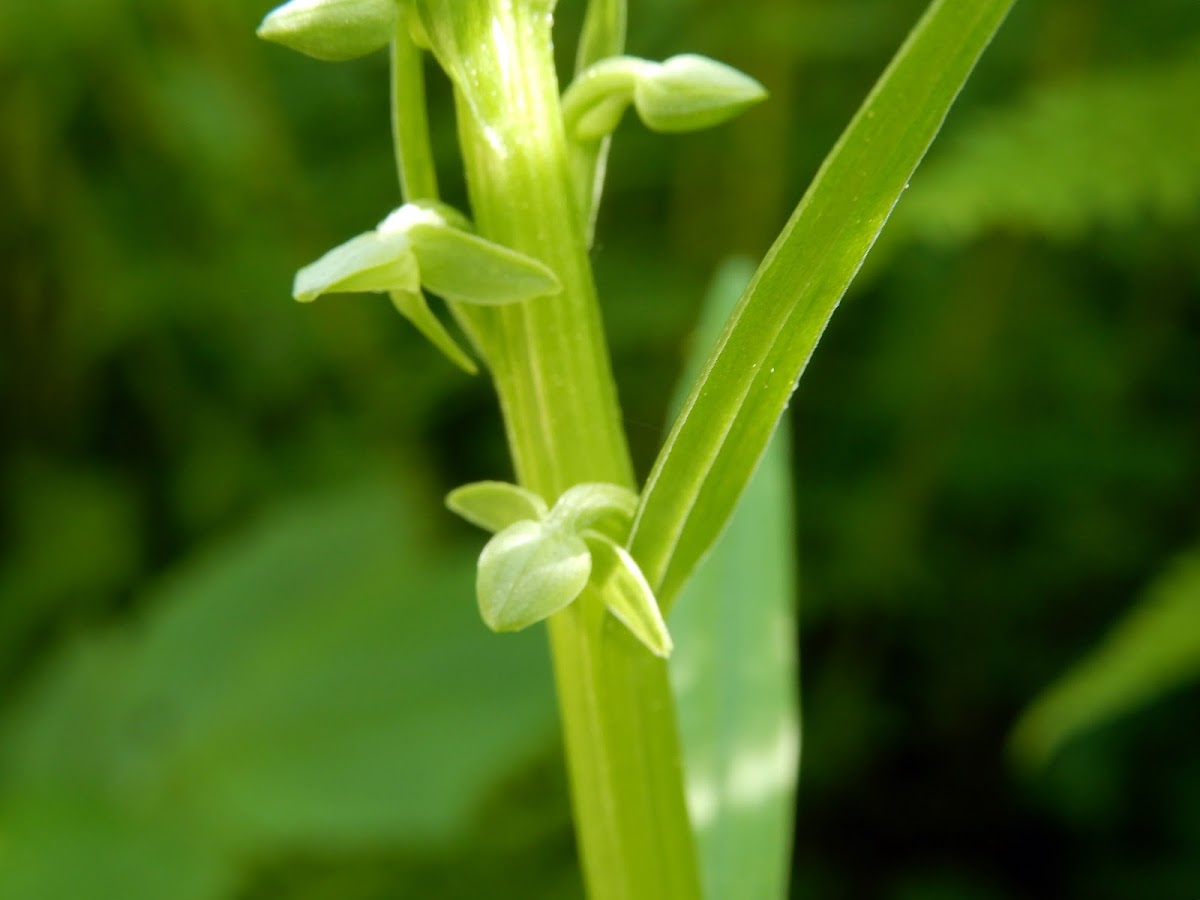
312, 682
731, 413
734, 669
305, 685
59, 845
1153, 649
56, 513
1069, 157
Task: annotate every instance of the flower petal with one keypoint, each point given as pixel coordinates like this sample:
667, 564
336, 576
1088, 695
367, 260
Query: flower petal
368, 262
331, 30
495, 505
689, 92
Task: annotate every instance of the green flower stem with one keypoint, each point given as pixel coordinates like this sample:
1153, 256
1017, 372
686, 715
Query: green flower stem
603, 36
550, 366
410, 122
609, 82
603, 32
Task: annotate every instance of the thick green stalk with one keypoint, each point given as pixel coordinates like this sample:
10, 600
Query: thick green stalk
550, 365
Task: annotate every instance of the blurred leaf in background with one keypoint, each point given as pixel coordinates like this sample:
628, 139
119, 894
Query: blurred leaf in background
1070, 157
1153, 648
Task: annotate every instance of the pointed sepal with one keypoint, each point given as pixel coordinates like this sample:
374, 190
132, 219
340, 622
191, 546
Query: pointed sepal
462, 266
627, 594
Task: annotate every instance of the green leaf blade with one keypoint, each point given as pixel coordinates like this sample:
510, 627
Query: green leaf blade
734, 670
735, 679
724, 429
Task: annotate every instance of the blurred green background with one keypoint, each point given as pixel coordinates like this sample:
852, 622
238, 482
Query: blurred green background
239, 656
